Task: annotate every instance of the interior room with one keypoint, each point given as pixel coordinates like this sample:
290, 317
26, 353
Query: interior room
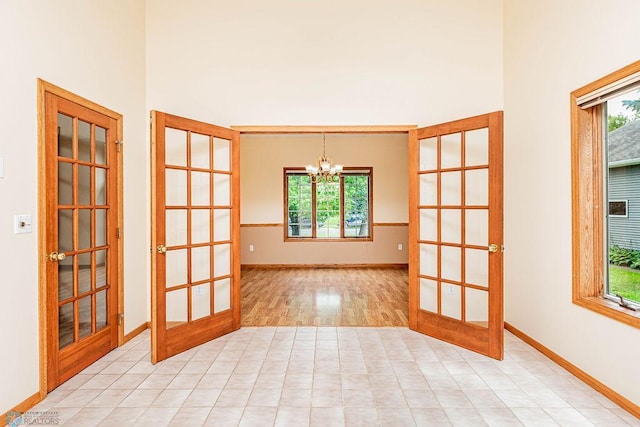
381, 84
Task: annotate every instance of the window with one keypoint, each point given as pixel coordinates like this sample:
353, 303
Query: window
606, 186
338, 209
618, 208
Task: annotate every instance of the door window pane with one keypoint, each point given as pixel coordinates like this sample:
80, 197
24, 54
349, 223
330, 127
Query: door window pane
221, 190
176, 307
428, 154
221, 260
477, 227
84, 228
176, 227
476, 148
175, 146
85, 316
222, 154
222, 225
65, 325
65, 230
429, 260
84, 185
200, 151
450, 227
200, 226
65, 278
101, 145
429, 224
101, 268
101, 186
65, 136
65, 183
221, 295
429, 189
450, 151
101, 227
175, 187
477, 187
429, 295
84, 272
477, 267
200, 263
200, 301
176, 264
451, 300
84, 141
450, 263
450, 188
477, 307
101, 310
200, 188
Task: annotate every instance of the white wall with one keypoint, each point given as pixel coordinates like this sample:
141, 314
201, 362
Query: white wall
552, 48
97, 50
324, 62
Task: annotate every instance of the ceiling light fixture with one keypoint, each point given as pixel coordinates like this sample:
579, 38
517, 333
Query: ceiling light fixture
325, 170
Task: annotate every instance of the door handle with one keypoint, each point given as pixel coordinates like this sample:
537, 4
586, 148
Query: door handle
55, 256
493, 248
162, 249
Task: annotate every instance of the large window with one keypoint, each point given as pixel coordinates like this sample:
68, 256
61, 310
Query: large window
337, 209
606, 195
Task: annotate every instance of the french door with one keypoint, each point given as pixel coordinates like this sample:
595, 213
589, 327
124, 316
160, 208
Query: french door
195, 233
455, 229
80, 233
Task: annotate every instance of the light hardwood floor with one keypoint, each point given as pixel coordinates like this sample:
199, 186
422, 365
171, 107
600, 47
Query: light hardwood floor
324, 297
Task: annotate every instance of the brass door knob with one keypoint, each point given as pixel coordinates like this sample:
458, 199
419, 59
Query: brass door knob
55, 256
493, 248
162, 249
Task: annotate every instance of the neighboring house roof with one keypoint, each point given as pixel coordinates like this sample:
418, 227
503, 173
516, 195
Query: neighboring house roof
624, 145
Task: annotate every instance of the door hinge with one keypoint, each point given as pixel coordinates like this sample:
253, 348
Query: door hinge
502, 248
120, 318
118, 232
118, 145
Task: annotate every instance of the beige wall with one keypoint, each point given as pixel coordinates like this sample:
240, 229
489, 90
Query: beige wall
552, 48
270, 248
97, 50
263, 158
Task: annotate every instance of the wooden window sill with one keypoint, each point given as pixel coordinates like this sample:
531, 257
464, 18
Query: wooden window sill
610, 309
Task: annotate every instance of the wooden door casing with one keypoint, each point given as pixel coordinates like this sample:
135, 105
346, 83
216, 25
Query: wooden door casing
484, 339
168, 340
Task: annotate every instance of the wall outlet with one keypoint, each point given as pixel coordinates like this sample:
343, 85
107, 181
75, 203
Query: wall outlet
198, 291
399, 246
449, 289
22, 224
250, 248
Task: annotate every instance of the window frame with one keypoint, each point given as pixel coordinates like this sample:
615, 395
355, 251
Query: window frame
588, 202
626, 208
347, 170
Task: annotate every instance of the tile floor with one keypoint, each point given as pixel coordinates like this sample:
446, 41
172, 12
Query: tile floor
329, 376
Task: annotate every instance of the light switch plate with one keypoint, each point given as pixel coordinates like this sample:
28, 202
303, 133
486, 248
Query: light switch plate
22, 224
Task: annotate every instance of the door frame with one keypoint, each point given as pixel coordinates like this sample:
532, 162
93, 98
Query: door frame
44, 87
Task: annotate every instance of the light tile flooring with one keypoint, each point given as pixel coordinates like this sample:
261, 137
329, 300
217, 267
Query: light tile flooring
329, 376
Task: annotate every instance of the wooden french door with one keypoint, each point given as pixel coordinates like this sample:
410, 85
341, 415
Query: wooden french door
456, 233
81, 233
195, 233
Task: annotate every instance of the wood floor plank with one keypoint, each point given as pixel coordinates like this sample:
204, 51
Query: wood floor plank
325, 297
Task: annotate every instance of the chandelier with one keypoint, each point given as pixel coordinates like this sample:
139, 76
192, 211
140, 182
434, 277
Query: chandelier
325, 170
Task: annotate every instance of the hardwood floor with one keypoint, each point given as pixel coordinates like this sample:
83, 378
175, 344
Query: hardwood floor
324, 297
